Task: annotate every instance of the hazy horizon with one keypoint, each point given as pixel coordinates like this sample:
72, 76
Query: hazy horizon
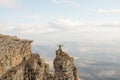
61, 20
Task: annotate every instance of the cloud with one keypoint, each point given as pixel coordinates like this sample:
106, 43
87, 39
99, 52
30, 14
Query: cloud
67, 24
33, 16
26, 29
104, 24
108, 11
62, 23
70, 2
32, 29
4, 27
28, 16
9, 3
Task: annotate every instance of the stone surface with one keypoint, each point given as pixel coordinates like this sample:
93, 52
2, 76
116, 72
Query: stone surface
12, 52
64, 66
17, 62
32, 69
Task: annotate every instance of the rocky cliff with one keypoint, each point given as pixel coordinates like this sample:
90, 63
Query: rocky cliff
64, 66
12, 52
17, 62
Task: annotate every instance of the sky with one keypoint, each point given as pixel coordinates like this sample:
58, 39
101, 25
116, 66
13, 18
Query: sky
61, 20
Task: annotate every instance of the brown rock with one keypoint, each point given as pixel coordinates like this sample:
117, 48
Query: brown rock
64, 66
12, 52
18, 63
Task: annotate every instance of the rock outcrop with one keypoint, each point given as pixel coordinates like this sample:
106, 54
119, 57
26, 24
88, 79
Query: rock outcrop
64, 66
17, 62
12, 52
32, 69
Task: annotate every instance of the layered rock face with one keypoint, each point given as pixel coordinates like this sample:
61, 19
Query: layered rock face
17, 62
36, 69
32, 69
12, 52
64, 66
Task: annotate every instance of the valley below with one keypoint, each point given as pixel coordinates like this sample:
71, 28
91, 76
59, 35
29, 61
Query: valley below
94, 61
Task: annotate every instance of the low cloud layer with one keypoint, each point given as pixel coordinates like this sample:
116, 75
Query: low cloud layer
9, 3
66, 28
108, 11
34, 16
61, 24
66, 24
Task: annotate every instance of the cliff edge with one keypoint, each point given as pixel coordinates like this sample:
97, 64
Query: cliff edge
17, 62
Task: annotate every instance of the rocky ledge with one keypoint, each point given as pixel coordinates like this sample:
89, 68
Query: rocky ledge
17, 62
